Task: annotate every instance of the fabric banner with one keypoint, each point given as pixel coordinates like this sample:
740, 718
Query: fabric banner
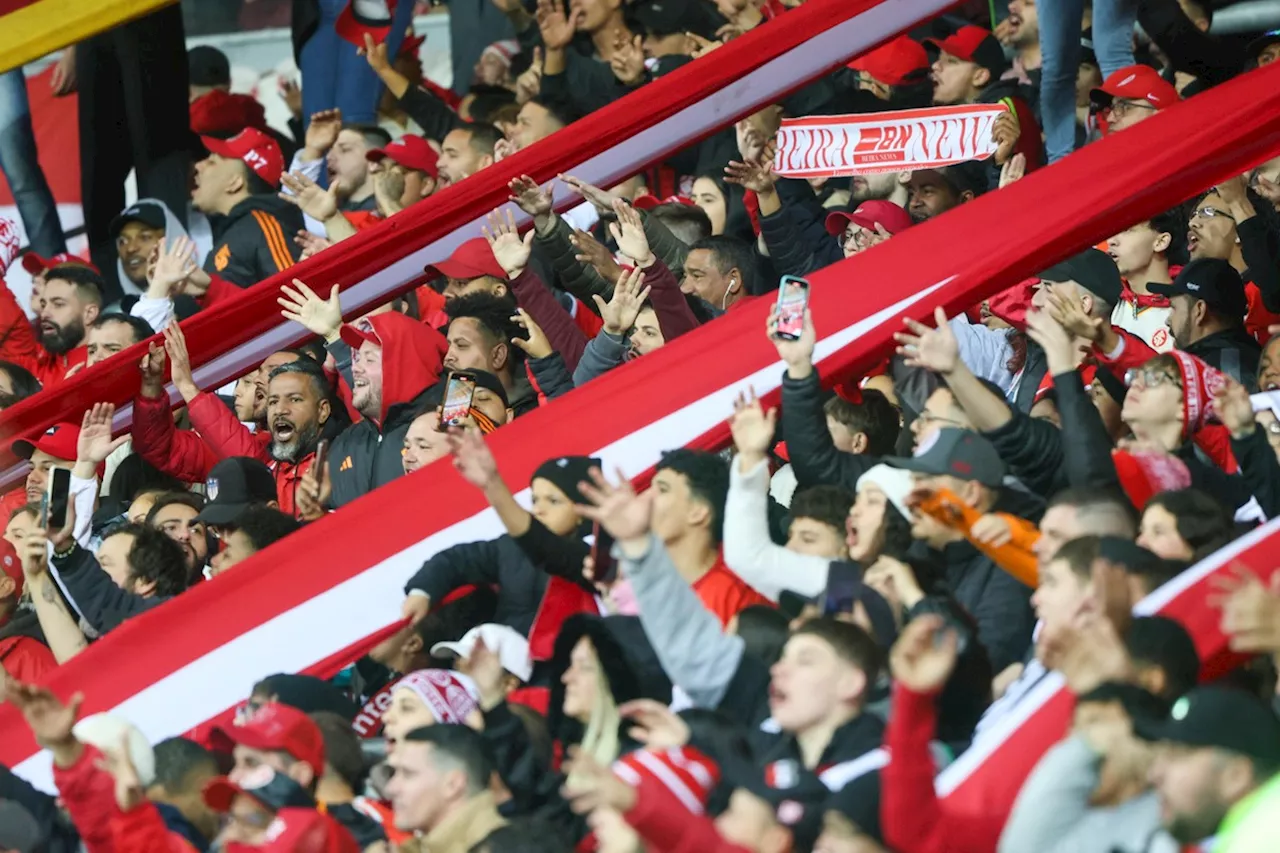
342, 578
607, 146
839, 146
29, 29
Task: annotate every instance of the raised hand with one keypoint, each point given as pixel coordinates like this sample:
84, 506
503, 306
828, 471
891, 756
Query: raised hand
618, 509
531, 198
754, 174
703, 46
511, 251
991, 529
654, 724
312, 244
556, 26
291, 93
1268, 189
1005, 133
63, 79
592, 251
1013, 170
175, 345
152, 369
174, 263
322, 133
1058, 345
601, 200
753, 428
119, 763
536, 345
620, 312
529, 84
33, 550
309, 197
49, 719
1235, 409
627, 61
472, 457
590, 785
95, 443
1071, 316
797, 354
375, 53
1250, 610
484, 665
925, 654
933, 349
321, 317
628, 233
415, 608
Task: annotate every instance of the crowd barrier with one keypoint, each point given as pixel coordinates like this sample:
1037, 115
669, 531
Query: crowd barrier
340, 580
30, 29
607, 146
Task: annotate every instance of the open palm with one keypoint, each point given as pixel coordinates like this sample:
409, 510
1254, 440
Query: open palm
300, 304
618, 509
96, 443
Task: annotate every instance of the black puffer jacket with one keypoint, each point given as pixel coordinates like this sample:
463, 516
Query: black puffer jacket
255, 240
814, 457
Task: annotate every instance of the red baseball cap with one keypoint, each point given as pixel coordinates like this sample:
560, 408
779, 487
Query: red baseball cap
410, 151
649, 202
59, 441
1136, 83
427, 342
894, 219
280, 728
34, 264
903, 60
301, 831
258, 150
471, 260
973, 44
11, 566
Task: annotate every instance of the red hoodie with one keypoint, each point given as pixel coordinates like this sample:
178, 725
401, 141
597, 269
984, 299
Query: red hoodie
18, 344
412, 354
220, 112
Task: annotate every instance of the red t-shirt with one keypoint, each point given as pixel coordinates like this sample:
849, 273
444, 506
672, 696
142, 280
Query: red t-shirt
724, 593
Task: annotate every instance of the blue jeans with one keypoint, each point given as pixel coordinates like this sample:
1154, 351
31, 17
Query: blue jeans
334, 76
1060, 26
22, 169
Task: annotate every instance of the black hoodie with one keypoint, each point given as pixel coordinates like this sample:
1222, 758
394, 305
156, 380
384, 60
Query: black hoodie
255, 240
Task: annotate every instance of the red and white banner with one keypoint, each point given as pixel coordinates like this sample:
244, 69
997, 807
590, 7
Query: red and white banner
341, 579
605, 147
839, 146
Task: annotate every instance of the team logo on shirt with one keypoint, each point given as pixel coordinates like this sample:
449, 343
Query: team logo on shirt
222, 258
1160, 338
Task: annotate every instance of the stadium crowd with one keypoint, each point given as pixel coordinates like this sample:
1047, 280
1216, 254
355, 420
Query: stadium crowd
771, 649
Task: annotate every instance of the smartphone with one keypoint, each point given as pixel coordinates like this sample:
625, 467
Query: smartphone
459, 390
59, 489
844, 583
322, 456
604, 567
793, 300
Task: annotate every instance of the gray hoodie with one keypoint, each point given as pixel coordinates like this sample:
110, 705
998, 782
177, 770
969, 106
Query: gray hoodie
1053, 815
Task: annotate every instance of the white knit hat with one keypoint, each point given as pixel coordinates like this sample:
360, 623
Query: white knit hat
894, 482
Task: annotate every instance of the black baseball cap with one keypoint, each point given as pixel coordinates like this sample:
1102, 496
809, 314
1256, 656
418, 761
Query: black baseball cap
796, 795
1091, 269
966, 175
664, 17
233, 486
147, 212
1213, 281
955, 453
1261, 43
208, 66
1219, 718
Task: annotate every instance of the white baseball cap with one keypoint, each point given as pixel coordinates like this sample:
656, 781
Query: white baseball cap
509, 644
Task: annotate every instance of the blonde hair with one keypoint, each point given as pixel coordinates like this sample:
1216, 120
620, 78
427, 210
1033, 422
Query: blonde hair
600, 741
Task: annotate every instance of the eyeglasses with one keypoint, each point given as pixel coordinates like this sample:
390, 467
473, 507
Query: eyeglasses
1146, 378
1211, 213
1120, 107
859, 237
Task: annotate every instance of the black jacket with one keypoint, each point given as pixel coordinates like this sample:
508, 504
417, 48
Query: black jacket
797, 234
57, 833
1235, 352
95, 595
1191, 51
255, 240
365, 457
814, 456
1032, 450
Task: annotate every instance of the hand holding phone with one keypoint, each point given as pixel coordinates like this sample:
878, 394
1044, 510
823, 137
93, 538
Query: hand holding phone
793, 301
604, 569
57, 495
459, 390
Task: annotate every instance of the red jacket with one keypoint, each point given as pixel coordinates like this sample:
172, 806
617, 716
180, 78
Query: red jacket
89, 795
18, 344
912, 818
190, 457
667, 825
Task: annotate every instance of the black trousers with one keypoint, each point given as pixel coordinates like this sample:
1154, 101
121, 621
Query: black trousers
133, 115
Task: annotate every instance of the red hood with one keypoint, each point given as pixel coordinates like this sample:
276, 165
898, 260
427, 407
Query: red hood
412, 355
222, 112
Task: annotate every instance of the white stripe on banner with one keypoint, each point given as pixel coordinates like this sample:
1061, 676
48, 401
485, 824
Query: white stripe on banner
360, 606
747, 94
